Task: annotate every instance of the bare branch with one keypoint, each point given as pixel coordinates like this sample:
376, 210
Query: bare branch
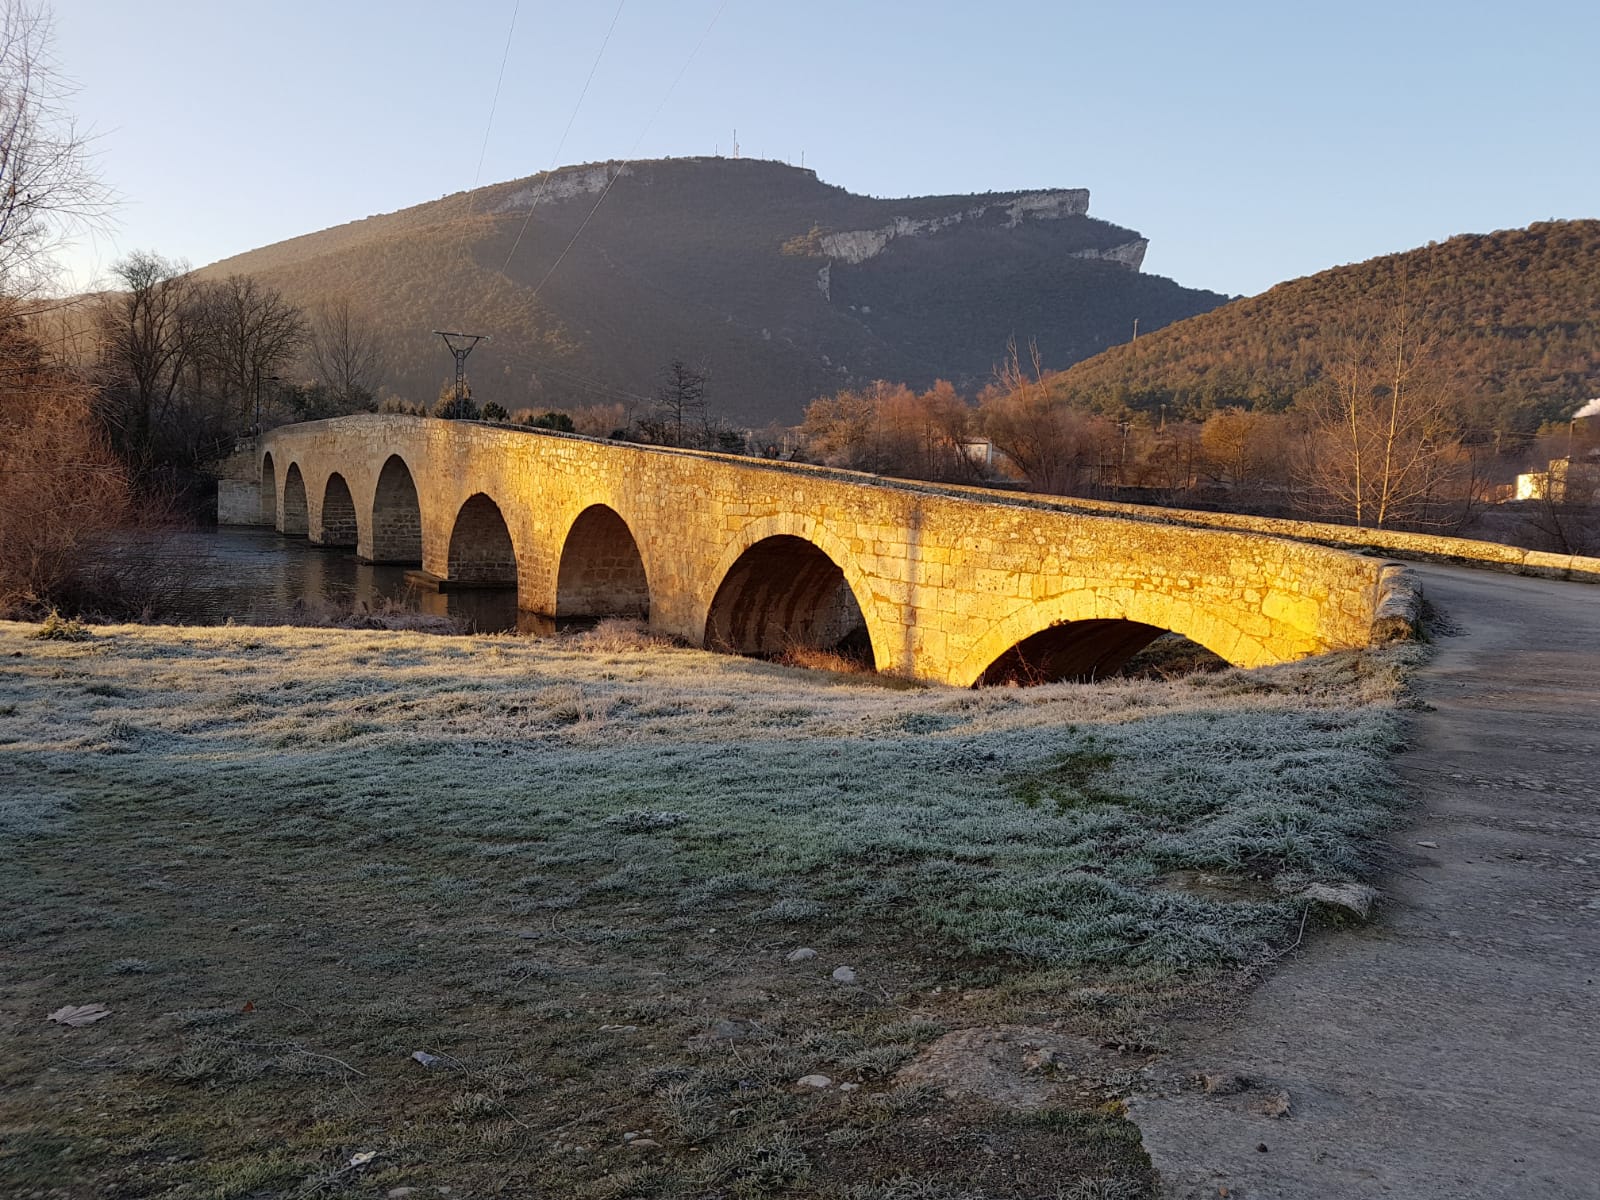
48, 192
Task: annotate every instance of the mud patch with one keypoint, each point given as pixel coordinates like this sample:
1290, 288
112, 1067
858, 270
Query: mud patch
1018, 1067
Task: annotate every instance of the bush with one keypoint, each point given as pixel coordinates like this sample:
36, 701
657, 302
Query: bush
453, 409
57, 629
494, 412
558, 421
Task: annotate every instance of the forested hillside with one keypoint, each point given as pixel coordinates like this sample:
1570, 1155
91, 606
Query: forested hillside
1515, 316
779, 286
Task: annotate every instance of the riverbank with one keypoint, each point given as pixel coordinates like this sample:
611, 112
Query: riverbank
572, 873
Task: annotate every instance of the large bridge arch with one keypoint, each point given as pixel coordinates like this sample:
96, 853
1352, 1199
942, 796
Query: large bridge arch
394, 530
778, 585
1086, 634
293, 516
337, 519
481, 550
601, 571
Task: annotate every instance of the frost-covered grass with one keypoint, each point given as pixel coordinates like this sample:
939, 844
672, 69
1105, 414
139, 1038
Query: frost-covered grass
489, 849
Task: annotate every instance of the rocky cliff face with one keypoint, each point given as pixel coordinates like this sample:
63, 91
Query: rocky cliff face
565, 185
857, 245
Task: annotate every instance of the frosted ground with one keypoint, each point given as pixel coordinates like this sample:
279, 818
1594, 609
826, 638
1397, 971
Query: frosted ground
571, 872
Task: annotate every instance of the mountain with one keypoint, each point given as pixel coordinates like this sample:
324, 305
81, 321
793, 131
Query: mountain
1516, 316
591, 279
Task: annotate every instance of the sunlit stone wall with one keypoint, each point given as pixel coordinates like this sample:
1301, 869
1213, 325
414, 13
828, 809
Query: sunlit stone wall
946, 579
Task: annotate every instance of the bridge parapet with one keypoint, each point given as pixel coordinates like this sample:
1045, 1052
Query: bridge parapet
941, 583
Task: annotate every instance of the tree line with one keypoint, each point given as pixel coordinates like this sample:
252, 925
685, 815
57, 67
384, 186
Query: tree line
182, 364
1382, 440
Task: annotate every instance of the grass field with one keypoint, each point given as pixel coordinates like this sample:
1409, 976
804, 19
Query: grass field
572, 872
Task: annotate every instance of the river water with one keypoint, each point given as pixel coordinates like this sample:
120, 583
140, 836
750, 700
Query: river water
257, 576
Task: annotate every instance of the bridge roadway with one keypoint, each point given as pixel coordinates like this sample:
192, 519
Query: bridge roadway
957, 585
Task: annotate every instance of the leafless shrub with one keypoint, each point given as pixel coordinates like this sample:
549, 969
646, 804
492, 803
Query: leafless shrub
62, 490
618, 635
814, 659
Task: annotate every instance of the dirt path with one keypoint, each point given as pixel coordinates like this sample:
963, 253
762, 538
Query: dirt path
1452, 1049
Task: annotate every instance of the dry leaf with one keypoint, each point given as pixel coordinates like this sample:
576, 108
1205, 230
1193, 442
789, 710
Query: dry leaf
77, 1015
362, 1157
249, 1006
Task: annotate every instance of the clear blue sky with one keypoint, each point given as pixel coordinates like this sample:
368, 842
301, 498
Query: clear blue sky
1250, 142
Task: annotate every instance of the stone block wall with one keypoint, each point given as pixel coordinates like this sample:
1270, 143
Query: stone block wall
238, 502
947, 580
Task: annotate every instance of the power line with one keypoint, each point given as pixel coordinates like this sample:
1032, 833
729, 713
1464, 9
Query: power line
560, 145
495, 103
632, 150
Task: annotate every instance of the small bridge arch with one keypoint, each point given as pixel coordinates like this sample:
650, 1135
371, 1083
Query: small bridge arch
395, 528
601, 571
294, 519
269, 491
481, 550
338, 523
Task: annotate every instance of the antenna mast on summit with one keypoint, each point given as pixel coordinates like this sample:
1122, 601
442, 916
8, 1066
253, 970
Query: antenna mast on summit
461, 345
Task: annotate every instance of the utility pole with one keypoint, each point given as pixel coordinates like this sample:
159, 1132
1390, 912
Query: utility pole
270, 379
461, 345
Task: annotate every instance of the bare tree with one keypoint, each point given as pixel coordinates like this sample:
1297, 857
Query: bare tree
47, 187
1384, 439
890, 429
1050, 441
148, 337
344, 354
250, 330
679, 400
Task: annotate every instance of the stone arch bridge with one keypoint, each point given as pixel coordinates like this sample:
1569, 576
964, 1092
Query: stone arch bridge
956, 585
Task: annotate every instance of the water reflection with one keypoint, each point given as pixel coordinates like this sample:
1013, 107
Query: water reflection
259, 576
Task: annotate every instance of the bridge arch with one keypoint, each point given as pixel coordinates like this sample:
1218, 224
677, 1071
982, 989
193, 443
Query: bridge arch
269, 491
1084, 636
601, 572
295, 521
338, 513
396, 524
481, 550
786, 583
